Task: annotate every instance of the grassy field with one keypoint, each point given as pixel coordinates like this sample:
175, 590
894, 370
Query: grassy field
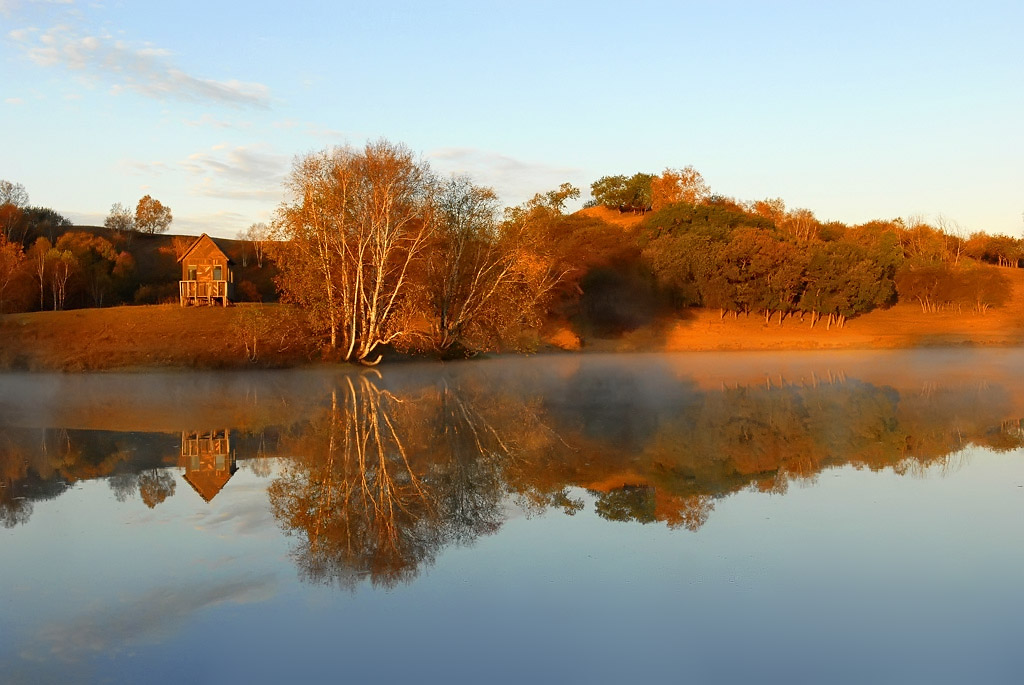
217, 337
152, 336
902, 326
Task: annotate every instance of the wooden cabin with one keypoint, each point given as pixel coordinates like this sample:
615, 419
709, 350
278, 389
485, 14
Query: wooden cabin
206, 276
208, 461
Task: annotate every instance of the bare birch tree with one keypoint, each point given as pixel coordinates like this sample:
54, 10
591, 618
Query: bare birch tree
356, 223
257, 236
469, 268
12, 260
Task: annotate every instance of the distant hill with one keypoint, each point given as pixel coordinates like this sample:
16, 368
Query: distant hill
613, 216
156, 264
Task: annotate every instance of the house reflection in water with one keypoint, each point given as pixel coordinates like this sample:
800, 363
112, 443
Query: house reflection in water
208, 461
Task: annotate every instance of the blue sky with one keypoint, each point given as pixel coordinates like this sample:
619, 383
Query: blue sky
854, 110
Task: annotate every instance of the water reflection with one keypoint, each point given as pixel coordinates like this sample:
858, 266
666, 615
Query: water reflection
381, 481
208, 461
378, 482
380, 473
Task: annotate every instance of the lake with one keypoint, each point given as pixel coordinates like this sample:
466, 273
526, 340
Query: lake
709, 518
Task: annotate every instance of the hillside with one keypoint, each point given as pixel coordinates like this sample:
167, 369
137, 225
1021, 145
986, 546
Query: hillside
152, 336
157, 271
901, 326
613, 216
215, 337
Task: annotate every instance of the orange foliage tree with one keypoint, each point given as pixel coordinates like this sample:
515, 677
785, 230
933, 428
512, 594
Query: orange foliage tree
678, 185
12, 262
356, 222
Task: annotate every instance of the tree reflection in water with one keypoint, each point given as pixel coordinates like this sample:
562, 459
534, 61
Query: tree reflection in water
378, 483
381, 481
382, 477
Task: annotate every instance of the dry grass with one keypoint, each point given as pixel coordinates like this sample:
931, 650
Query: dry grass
902, 326
150, 336
613, 216
214, 337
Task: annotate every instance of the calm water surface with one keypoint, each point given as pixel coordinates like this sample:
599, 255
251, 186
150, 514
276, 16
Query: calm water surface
839, 517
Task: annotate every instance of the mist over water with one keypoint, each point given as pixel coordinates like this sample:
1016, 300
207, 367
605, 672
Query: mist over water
727, 488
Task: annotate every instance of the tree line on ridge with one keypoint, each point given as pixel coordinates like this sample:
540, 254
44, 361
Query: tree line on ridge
377, 250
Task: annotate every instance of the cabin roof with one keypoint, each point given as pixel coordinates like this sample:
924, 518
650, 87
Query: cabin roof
208, 483
211, 241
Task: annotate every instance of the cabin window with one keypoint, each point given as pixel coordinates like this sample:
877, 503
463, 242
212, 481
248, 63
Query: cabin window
191, 272
218, 273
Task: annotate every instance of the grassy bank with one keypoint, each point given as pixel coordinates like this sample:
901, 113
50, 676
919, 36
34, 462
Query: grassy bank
901, 326
152, 336
245, 336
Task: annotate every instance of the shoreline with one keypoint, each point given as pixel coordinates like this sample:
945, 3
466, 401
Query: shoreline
167, 337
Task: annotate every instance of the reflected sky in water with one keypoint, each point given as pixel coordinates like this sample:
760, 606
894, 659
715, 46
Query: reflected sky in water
692, 518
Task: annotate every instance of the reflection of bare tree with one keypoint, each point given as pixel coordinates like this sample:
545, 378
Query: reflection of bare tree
124, 485
155, 486
380, 482
646, 504
765, 436
352, 493
260, 465
14, 511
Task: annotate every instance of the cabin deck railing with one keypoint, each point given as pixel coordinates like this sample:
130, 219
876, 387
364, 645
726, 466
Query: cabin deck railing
204, 292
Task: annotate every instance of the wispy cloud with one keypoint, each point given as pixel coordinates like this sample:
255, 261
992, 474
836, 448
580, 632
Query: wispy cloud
143, 168
7, 7
514, 180
144, 619
14, 101
244, 172
218, 224
311, 129
144, 69
209, 121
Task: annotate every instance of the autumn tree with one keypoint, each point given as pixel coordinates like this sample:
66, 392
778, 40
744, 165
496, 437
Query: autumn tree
687, 248
180, 245
800, 224
983, 287
13, 194
151, 216
120, 219
39, 262
258, 235
534, 234
155, 485
356, 221
678, 185
773, 209
940, 286
1001, 250
100, 270
843, 279
12, 261
465, 268
43, 221
625, 193
61, 264
763, 271
922, 243
13, 202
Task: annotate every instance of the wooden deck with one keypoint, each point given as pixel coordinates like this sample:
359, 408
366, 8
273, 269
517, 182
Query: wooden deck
205, 292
